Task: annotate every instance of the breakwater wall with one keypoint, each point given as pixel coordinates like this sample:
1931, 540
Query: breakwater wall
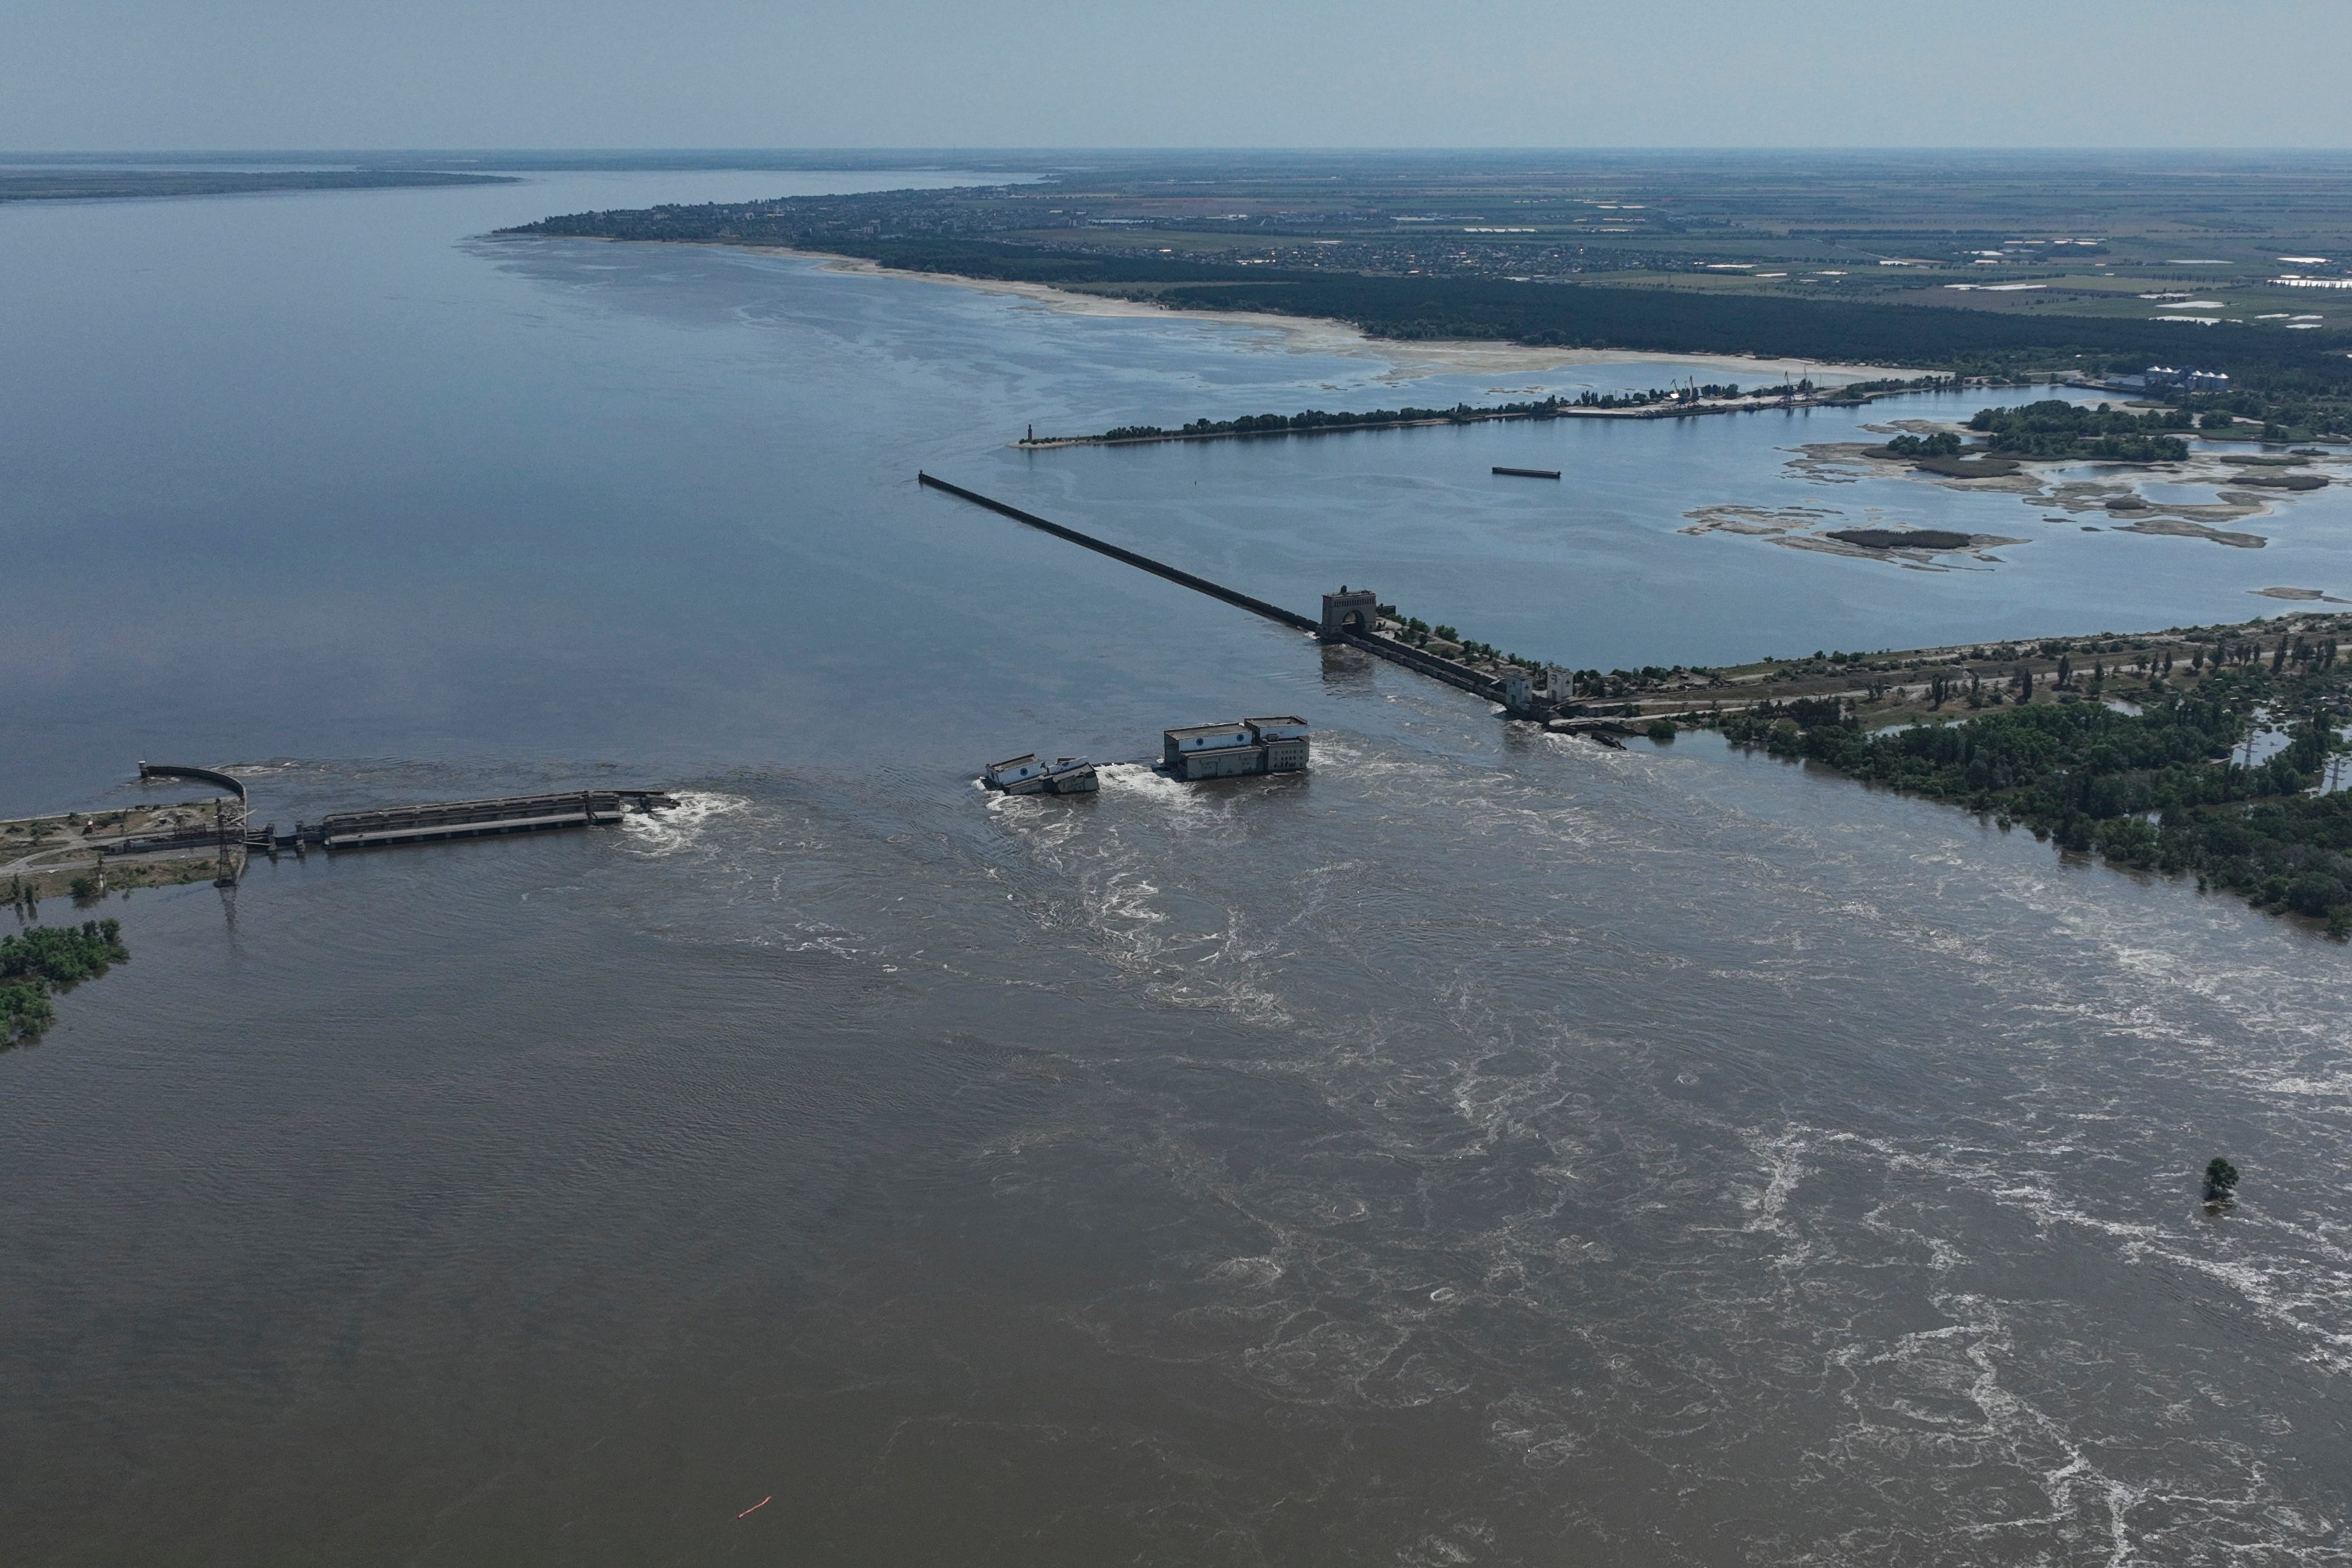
1455, 675
1177, 574
226, 782
1460, 676
1673, 409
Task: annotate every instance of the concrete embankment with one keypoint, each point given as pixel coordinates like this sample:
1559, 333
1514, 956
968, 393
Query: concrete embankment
1429, 664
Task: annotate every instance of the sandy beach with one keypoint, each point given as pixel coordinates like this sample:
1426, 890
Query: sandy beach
1408, 358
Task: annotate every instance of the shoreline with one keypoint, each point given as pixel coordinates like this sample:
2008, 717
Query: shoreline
1409, 358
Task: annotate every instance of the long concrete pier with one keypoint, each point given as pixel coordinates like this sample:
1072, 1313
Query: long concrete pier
1256, 606
1415, 659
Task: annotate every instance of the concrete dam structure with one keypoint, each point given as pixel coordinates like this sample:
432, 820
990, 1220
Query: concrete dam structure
232, 833
479, 818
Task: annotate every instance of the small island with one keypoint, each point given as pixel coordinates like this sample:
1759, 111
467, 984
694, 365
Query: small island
1929, 539
2047, 431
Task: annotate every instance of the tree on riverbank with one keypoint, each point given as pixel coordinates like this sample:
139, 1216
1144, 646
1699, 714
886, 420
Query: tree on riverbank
1310, 420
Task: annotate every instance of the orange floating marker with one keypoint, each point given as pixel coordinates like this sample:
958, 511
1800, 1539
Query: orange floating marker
757, 1505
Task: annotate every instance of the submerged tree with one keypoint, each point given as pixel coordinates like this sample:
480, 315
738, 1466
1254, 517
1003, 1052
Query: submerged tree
43, 959
2220, 1180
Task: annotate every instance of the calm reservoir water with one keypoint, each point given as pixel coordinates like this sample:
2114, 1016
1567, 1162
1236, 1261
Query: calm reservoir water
1487, 1148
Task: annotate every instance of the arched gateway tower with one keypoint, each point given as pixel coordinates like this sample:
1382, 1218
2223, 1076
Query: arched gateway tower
1357, 611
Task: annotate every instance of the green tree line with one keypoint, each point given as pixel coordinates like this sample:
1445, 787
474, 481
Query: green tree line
2161, 789
2056, 429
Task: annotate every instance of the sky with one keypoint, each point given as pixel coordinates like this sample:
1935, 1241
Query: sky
190, 75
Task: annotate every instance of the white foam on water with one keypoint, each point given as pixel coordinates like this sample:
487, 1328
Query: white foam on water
2337, 1088
1784, 1167
1497, 1212
2281, 1276
679, 828
1100, 857
1931, 1402
1181, 805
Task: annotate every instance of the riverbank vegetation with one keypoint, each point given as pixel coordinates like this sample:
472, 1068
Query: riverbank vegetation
2172, 785
42, 960
2202, 752
1315, 421
1312, 421
1709, 397
2053, 428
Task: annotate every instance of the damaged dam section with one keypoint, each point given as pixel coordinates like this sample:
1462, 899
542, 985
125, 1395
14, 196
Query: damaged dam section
89, 855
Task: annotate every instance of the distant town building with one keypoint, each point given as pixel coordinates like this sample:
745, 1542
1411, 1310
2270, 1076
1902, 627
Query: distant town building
2165, 378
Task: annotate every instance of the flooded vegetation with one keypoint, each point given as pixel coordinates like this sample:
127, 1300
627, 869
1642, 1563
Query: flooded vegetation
40, 961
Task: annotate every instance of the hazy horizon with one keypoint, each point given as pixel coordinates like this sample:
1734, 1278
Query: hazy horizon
140, 75
809, 151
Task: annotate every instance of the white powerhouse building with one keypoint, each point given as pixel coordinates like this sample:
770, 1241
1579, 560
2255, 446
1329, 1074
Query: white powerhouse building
1269, 745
